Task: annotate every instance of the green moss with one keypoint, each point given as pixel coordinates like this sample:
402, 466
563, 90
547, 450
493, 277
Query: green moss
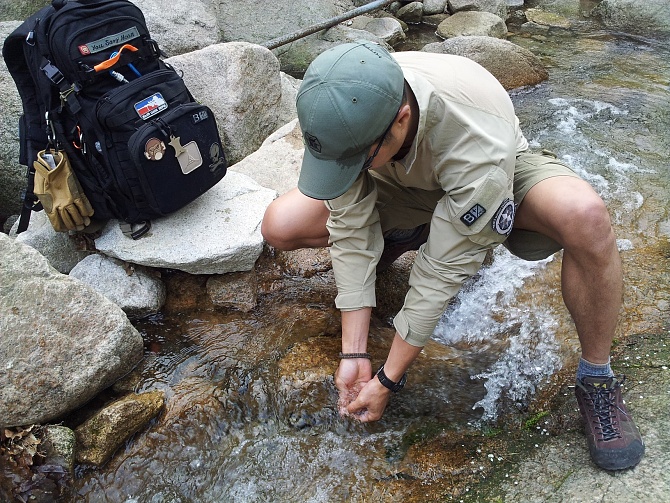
532, 422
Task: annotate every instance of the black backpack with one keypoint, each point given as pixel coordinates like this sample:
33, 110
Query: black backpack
93, 85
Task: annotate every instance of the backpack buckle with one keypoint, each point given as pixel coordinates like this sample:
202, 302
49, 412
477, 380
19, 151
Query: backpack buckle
52, 73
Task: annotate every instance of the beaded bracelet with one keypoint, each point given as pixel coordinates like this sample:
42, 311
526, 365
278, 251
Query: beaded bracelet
355, 355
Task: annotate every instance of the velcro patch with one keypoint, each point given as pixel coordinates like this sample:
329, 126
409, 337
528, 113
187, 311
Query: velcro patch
471, 216
503, 220
150, 106
116, 39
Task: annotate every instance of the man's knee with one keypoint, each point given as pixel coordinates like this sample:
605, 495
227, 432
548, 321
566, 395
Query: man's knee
272, 224
591, 225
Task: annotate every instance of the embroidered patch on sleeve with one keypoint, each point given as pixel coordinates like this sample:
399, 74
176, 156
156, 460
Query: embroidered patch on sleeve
503, 220
473, 214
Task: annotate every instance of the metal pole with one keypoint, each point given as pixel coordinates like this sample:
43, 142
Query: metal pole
372, 6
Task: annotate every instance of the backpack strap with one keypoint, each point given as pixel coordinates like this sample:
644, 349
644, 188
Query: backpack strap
128, 231
32, 126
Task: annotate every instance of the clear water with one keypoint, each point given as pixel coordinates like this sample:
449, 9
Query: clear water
233, 430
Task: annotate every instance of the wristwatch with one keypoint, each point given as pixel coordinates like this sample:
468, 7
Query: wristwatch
387, 383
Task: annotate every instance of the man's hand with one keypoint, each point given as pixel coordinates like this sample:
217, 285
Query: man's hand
371, 402
350, 378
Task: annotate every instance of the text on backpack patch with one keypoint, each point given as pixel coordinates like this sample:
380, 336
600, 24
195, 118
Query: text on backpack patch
109, 41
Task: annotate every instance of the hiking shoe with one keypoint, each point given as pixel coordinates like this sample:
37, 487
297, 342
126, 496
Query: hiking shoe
614, 441
399, 241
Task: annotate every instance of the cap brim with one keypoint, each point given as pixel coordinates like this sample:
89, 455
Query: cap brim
327, 179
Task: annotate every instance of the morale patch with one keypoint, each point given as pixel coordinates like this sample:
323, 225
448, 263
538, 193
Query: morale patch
215, 157
503, 220
473, 214
150, 106
190, 158
109, 41
200, 116
154, 149
313, 142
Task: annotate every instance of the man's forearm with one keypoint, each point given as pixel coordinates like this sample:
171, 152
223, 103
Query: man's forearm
400, 358
355, 328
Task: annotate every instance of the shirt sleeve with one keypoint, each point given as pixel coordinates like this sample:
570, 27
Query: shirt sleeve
461, 233
356, 244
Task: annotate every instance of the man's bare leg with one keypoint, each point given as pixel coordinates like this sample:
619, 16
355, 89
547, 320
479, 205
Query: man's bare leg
294, 221
568, 210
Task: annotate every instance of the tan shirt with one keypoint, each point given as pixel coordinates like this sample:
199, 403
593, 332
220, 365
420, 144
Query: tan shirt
466, 144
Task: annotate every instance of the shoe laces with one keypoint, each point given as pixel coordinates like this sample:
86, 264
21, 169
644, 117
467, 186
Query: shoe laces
604, 406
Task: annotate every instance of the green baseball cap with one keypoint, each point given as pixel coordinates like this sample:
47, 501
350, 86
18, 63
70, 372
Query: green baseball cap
348, 97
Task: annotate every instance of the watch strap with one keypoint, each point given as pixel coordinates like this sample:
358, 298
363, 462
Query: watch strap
388, 383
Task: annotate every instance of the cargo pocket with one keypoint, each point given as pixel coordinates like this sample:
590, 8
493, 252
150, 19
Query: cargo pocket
483, 210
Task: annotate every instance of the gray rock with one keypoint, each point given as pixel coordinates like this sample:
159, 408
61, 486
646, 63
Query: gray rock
549, 19
60, 248
651, 16
497, 7
410, 13
135, 289
62, 342
472, 23
289, 91
431, 7
277, 163
217, 233
388, 29
236, 290
512, 65
14, 11
273, 19
183, 27
12, 174
59, 444
240, 82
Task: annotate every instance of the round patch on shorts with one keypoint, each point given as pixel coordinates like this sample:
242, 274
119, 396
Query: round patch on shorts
503, 220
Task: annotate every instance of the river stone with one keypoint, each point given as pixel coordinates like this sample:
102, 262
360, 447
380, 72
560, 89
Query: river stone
60, 248
59, 443
217, 233
62, 342
550, 19
388, 29
183, 27
241, 84
431, 7
472, 23
276, 164
497, 7
411, 13
511, 64
236, 290
137, 290
101, 435
650, 16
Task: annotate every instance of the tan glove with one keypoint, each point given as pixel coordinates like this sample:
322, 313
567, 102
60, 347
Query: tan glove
58, 189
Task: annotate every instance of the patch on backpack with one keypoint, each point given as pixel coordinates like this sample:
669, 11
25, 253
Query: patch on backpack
150, 106
200, 116
473, 214
503, 220
109, 41
216, 157
189, 159
154, 149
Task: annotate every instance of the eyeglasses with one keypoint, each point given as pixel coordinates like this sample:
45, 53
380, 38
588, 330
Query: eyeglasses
368, 162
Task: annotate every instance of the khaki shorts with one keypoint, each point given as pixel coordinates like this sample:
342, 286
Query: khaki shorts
404, 208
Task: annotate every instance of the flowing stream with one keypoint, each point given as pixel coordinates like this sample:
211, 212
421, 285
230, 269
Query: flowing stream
233, 431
